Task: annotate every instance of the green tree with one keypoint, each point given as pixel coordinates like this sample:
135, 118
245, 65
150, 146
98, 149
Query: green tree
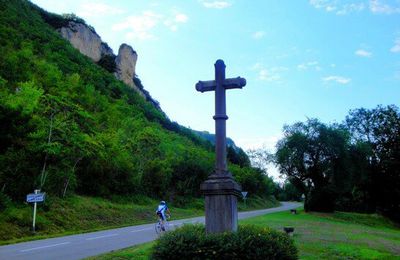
314, 156
377, 133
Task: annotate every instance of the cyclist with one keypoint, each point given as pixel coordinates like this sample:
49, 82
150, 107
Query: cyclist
161, 209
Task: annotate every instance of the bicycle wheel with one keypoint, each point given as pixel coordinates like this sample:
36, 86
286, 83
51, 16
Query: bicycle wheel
158, 228
166, 226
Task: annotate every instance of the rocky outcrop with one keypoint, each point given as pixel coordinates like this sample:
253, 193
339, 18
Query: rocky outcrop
126, 65
86, 40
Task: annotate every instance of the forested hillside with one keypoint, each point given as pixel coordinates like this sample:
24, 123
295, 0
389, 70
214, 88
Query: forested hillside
68, 126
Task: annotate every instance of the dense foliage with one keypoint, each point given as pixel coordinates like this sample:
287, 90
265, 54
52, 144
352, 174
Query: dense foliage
287, 192
249, 242
349, 166
67, 125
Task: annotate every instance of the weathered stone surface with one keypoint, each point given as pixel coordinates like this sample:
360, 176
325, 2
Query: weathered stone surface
126, 65
220, 204
220, 190
85, 40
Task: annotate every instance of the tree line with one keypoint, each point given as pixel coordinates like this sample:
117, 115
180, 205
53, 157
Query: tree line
349, 166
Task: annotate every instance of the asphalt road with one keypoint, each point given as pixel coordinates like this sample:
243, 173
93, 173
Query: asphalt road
95, 243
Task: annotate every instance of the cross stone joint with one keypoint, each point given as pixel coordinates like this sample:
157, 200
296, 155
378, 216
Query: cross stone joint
204, 86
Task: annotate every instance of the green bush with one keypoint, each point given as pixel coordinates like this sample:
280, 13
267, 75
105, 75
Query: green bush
108, 63
5, 201
249, 242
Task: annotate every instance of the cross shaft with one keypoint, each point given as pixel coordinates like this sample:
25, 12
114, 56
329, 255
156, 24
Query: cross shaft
219, 85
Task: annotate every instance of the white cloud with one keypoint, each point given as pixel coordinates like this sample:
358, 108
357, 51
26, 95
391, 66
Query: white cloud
396, 47
257, 66
337, 79
378, 7
302, 66
363, 53
181, 18
92, 9
142, 26
319, 3
341, 7
310, 64
350, 8
258, 35
139, 26
272, 74
344, 7
216, 4
268, 75
172, 22
330, 8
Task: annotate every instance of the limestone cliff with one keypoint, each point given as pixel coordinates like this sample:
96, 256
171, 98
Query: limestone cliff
125, 64
89, 43
83, 38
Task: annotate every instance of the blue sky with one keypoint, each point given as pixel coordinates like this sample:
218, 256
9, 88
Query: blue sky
301, 59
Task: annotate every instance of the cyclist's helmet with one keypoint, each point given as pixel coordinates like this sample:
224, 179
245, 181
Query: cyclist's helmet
162, 202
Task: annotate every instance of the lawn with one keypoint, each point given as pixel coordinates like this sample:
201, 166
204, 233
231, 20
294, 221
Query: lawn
339, 235
318, 236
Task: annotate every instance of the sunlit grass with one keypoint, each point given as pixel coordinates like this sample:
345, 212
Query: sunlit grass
339, 235
318, 236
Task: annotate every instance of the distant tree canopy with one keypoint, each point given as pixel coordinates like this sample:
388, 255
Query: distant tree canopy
288, 192
349, 166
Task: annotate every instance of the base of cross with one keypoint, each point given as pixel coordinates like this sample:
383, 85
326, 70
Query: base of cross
221, 193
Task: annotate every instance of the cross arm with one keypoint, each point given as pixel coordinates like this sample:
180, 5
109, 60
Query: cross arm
204, 86
234, 83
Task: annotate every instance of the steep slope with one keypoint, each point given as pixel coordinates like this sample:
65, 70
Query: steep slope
67, 125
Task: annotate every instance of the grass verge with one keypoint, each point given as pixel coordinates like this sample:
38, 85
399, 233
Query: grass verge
139, 252
318, 236
79, 214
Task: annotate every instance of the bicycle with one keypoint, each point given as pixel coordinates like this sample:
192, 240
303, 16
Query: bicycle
160, 227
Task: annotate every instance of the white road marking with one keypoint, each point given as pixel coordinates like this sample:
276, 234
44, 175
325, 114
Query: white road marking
110, 235
41, 247
140, 230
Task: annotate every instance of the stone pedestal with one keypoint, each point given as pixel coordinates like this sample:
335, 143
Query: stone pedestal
221, 203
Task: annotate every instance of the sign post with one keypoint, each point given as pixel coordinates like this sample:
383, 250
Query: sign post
244, 194
34, 212
35, 198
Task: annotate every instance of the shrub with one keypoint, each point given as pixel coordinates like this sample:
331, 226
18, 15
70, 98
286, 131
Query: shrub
5, 201
108, 63
249, 242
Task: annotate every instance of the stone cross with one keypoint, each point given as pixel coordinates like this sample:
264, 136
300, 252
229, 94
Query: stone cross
219, 85
220, 190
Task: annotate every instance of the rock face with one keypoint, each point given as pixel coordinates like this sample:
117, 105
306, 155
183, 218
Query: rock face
126, 65
86, 40
89, 43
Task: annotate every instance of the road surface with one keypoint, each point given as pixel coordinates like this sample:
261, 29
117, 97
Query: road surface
95, 243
